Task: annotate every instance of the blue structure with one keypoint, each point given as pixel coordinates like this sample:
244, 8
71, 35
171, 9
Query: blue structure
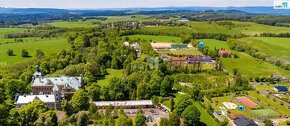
280, 88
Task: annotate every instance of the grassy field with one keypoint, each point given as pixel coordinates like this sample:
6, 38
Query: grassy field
78, 24
272, 46
205, 117
212, 43
89, 23
11, 30
112, 73
252, 67
181, 52
265, 112
248, 28
47, 46
24, 39
156, 38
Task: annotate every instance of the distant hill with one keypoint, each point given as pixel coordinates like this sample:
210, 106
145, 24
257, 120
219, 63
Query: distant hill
233, 10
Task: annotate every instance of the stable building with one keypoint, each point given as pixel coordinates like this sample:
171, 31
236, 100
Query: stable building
125, 104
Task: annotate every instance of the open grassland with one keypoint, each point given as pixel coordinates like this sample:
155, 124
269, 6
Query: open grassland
253, 67
205, 117
76, 24
272, 46
11, 30
212, 43
24, 39
47, 46
155, 38
248, 28
276, 105
111, 73
89, 23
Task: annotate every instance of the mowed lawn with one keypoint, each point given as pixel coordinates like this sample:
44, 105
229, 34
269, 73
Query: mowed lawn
155, 38
272, 46
205, 117
47, 46
212, 43
265, 112
112, 73
252, 67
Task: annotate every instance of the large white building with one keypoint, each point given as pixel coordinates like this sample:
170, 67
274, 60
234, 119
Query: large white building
125, 104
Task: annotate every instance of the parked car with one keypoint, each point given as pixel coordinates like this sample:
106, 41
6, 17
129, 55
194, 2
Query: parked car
151, 120
217, 112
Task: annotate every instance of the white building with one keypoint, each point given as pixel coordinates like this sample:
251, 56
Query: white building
125, 104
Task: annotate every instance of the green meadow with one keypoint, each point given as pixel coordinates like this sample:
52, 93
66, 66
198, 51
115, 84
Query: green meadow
155, 38
212, 43
272, 46
47, 46
248, 28
111, 73
11, 30
252, 67
89, 23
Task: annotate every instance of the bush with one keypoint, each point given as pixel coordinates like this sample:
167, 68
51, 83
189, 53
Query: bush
25, 53
10, 52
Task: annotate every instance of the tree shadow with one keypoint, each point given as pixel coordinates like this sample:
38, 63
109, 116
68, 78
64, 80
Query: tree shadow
201, 124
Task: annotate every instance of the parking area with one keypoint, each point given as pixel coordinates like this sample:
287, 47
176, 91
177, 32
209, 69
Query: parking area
152, 115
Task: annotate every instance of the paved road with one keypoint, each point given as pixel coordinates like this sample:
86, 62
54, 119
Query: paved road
265, 93
218, 116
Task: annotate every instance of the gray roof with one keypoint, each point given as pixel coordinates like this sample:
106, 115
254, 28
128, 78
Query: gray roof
56, 88
74, 82
244, 122
24, 99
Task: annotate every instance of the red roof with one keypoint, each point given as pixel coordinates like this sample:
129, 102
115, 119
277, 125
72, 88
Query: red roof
224, 51
178, 59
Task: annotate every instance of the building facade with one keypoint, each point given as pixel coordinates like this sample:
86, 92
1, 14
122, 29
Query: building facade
45, 85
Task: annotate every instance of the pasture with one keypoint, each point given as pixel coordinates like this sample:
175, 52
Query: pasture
252, 67
272, 46
47, 46
155, 38
212, 43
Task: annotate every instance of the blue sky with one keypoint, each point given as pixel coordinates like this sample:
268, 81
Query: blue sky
93, 4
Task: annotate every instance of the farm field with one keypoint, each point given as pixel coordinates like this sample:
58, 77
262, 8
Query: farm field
11, 30
272, 46
76, 24
252, 67
47, 46
155, 38
112, 73
212, 43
